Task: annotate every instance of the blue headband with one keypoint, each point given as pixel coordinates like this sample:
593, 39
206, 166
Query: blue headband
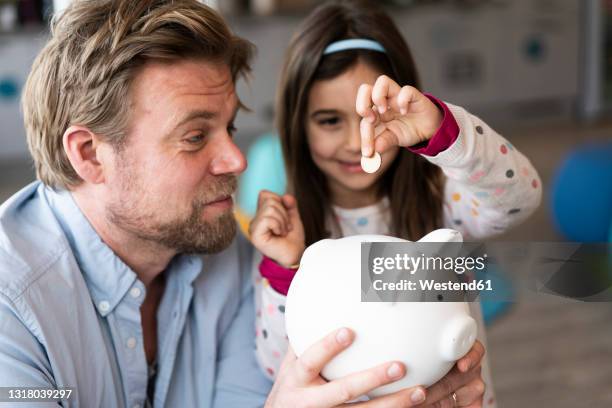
353, 44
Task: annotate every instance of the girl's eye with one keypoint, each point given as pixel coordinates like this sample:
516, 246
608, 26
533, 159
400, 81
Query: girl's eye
330, 121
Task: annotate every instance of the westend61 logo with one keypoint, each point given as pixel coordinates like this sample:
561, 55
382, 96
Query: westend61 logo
453, 271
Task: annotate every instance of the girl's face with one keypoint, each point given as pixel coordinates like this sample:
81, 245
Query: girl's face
332, 128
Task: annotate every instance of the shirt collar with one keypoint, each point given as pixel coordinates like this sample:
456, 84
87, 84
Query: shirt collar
186, 268
107, 277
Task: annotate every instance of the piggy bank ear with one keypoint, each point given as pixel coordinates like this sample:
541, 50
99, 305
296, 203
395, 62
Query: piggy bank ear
442, 242
443, 235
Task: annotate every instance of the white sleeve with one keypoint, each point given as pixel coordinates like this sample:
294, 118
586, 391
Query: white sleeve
270, 335
490, 185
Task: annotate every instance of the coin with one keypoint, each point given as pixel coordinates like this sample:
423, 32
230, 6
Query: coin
371, 164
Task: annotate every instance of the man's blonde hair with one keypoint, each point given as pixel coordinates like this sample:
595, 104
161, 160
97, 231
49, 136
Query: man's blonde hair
83, 74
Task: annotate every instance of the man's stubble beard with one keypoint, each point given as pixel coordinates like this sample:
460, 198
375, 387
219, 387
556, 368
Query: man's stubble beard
187, 234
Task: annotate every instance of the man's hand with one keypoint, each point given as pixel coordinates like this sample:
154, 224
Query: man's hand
299, 383
464, 380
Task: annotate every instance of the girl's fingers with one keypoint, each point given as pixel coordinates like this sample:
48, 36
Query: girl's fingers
309, 365
265, 195
366, 129
405, 97
363, 104
289, 201
269, 223
273, 213
276, 207
355, 385
470, 393
385, 141
293, 212
383, 90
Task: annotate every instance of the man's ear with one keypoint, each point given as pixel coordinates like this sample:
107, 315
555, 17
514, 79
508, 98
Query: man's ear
82, 148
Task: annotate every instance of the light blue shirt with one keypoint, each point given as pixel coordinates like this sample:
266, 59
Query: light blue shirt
70, 315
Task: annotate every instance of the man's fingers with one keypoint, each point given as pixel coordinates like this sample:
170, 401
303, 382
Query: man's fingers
449, 384
312, 361
472, 358
471, 393
409, 397
288, 361
355, 385
446, 402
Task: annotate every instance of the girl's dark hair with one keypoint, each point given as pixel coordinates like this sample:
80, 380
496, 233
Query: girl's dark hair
412, 184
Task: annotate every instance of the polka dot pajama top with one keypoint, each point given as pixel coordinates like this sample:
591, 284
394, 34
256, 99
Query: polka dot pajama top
490, 187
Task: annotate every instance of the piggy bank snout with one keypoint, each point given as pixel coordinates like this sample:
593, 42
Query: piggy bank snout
458, 337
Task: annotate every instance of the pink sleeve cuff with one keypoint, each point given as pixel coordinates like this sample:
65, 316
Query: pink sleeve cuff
278, 276
444, 137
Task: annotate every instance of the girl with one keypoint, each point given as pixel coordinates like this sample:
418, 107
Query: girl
349, 88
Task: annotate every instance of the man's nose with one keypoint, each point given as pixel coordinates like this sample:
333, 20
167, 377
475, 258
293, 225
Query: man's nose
228, 159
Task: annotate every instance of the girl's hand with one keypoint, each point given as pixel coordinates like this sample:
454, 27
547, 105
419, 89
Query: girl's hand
276, 230
394, 116
299, 383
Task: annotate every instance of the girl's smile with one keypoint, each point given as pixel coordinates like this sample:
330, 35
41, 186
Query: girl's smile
353, 166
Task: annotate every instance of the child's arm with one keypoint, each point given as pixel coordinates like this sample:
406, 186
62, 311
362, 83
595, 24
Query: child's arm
490, 185
270, 336
277, 232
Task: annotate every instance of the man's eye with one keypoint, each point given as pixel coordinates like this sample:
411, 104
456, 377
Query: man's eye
231, 129
331, 121
195, 139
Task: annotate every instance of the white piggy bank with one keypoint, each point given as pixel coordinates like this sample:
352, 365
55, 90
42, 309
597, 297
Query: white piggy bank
428, 337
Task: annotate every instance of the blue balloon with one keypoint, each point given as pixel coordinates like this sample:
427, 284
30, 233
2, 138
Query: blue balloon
582, 194
497, 302
265, 171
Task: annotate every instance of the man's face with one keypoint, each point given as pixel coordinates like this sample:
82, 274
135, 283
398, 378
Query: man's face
172, 181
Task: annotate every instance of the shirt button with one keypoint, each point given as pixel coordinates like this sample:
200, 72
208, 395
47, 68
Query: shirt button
135, 292
104, 306
131, 342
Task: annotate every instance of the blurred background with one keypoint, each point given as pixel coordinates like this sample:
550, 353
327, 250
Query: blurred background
539, 71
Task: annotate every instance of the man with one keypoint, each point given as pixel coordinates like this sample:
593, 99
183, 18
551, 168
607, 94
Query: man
129, 111
120, 274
